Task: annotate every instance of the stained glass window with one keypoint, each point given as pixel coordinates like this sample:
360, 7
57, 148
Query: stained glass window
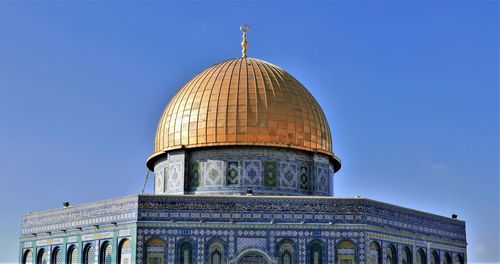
186, 253
106, 254
434, 258
89, 255
73, 255
28, 257
43, 257
316, 252
57, 256
406, 256
447, 258
346, 251
421, 258
286, 252
216, 251
155, 251
375, 253
125, 252
391, 255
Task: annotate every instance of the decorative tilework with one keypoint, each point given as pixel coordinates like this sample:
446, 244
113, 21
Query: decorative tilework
213, 173
175, 176
295, 219
302, 250
252, 172
251, 242
272, 243
331, 251
159, 183
171, 249
282, 171
322, 182
270, 173
304, 178
288, 175
194, 174
233, 173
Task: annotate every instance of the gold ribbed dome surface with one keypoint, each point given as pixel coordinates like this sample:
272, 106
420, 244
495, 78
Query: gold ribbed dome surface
243, 102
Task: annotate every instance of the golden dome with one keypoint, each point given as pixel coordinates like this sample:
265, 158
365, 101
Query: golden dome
243, 102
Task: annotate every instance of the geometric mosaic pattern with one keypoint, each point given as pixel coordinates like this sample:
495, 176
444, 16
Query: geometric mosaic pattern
251, 242
282, 172
252, 173
213, 173
175, 176
242, 222
322, 182
159, 183
288, 175
305, 178
233, 173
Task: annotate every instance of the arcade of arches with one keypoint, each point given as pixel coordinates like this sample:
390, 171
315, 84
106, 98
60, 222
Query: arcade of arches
156, 250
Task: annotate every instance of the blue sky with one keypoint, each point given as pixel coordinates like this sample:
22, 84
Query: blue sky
410, 90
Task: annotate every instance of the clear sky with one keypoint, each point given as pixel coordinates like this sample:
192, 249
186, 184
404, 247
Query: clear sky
411, 91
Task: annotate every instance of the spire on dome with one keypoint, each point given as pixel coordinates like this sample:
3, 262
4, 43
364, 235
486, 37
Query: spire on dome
244, 44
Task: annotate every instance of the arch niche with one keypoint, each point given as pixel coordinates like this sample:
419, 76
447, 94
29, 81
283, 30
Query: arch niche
253, 256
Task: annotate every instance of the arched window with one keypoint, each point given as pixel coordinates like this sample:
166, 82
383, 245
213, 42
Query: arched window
434, 257
216, 252
421, 258
316, 252
155, 251
105, 256
459, 259
346, 251
43, 257
125, 252
57, 256
375, 253
286, 252
72, 255
28, 257
391, 256
89, 254
186, 252
447, 258
406, 257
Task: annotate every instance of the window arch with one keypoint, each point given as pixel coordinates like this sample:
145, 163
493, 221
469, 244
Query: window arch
57, 256
316, 252
72, 256
155, 251
125, 252
105, 256
391, 256
346, 250
89, 254
185, 255
375, 253
43, 257
421, 258
216, 252
447, 258
286, 252
406, 257
435, 257
459, 259
28, 257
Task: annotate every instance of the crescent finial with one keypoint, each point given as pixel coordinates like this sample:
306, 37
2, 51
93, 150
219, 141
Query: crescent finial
244, 44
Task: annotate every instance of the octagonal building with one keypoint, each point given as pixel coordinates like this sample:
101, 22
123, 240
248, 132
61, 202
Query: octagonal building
243, 168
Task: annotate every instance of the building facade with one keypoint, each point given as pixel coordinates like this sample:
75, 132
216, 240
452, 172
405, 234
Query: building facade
243, 168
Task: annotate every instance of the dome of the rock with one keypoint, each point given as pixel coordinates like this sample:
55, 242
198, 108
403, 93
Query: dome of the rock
243, 102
